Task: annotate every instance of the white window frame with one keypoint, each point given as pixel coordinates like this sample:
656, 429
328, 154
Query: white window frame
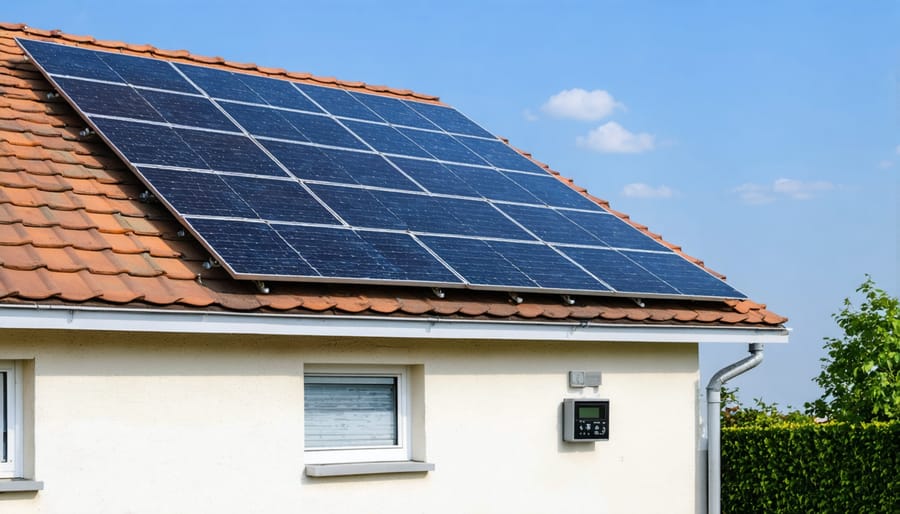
13, 466
402, 451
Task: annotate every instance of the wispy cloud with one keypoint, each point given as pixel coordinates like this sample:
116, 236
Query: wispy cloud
529, 115
641, 190
580, 104
885, 164
614, 138
897, 149
756, 194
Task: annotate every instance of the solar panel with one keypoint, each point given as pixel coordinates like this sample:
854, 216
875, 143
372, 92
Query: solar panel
289, 181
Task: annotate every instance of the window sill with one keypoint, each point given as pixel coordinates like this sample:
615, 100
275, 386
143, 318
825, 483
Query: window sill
367, 468
11, 485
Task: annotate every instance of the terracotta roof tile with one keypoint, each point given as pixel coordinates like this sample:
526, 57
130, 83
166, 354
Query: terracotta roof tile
71, 228
474, 308
530, 310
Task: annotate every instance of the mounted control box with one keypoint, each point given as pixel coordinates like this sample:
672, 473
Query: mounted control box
585, 420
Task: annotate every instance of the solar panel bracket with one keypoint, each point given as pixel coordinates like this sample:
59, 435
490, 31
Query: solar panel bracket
568, 300
261, 286
52, 95
514, 298
639, 302
86, 132
437, 291
211, 263
147, 197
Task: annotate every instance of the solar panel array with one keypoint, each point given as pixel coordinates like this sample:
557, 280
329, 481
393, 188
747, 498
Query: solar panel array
289, 181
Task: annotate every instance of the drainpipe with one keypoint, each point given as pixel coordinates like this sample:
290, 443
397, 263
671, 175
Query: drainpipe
713, 423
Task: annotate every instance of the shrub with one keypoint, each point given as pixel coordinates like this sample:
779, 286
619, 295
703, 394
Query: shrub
834, 467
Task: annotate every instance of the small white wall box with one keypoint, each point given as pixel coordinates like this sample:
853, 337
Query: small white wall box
584, 378
585, 421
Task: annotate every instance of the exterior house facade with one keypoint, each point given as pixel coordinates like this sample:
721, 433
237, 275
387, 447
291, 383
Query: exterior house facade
135, 379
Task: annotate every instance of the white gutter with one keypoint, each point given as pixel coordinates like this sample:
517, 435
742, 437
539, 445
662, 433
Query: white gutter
54, 317
713, 423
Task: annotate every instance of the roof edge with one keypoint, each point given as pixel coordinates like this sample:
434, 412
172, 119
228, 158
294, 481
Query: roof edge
430, 328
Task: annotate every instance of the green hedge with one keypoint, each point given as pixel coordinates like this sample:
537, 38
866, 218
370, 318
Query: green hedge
834, 467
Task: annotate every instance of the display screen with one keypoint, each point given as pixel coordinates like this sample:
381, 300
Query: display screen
589, 412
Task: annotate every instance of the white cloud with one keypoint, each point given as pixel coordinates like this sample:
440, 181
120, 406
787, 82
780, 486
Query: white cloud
641, 190
756, 194
885, 164
614, 138
580, 104
529, 116
799, 190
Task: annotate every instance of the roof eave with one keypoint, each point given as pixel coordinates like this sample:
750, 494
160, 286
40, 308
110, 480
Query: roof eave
53, 317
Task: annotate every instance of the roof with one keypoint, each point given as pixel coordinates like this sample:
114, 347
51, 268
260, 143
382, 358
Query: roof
74, 231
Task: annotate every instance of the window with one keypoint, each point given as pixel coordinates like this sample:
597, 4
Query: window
11, 458
356, 414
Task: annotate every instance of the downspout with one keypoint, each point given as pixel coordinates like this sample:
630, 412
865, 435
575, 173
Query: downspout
713, 423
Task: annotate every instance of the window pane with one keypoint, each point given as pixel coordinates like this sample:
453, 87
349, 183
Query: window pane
350, 411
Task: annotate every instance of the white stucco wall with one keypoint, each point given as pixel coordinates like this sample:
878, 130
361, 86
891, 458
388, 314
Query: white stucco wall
188, 424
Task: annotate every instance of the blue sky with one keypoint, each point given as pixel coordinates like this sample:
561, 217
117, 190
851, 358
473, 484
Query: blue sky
762, 137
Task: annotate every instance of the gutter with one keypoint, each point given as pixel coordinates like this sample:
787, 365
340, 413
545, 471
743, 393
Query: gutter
714, 422
57, 317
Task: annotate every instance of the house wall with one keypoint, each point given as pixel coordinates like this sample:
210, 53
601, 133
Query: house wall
163, 423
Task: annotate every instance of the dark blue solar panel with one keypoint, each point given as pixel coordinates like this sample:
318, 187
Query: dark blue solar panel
140, 71
551, 191
549, 225
419, 213
251, 248
278, 93
477, 262
385, 139
370, 169
618, 271
195, 111
227, 152
449, 119
263, 121
449, 216
339, 102
444, 176
500, 154
69, 60
358, 207
108, 99
443, 147
410, 259
193, 193
434, 176
348, 254
279, 200
219, 83
481, 219
546, 267
613, 231
688, 278
394, 111
307, 162
322, 130
492, 184
142, 143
